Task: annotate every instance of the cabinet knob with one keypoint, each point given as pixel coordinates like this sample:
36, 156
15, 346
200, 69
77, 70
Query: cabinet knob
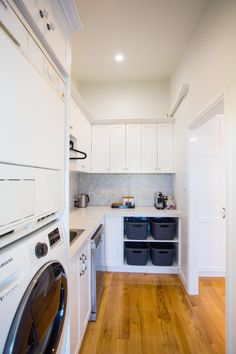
43, 13
51, 26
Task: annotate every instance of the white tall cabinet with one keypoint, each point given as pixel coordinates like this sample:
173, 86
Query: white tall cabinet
149, 148
101, 148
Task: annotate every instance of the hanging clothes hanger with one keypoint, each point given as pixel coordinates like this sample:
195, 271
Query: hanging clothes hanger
78, 151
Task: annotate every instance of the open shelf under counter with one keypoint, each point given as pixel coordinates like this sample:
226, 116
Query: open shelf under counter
150, 239
151, 268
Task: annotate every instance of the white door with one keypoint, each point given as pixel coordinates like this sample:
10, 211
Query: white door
149, 148
101, 148
165, 148
118, 148
133, 148
210, 198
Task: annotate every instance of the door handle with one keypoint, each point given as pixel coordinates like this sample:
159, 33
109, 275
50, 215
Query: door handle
224, 213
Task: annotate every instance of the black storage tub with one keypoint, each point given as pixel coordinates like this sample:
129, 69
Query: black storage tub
163, 228
136, 253
162, 254
136, 228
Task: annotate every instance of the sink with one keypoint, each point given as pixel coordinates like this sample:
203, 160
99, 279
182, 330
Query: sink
75, 233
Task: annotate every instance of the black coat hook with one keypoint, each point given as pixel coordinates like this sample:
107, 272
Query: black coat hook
78, 151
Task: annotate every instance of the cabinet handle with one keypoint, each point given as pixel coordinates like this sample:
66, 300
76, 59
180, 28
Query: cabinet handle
83, 260
224, 213
43, 13
51, 26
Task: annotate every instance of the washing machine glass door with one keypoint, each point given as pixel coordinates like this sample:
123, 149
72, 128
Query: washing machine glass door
38, 323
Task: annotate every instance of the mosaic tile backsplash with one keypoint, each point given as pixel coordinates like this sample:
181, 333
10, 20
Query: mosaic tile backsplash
104, 189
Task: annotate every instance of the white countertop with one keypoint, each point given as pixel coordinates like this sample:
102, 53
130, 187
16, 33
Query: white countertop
89, 219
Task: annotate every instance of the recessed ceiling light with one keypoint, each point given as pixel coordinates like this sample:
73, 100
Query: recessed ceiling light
119, 57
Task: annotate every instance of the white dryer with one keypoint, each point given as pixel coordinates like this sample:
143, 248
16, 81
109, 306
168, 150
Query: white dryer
33, 293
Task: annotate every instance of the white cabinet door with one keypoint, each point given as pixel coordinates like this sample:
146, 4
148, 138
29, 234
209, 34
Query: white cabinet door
55, 31
84, 287
114, 241
14, 26
133, 148
34, 117
74, 118
101, 148
74, 305
84, 142
118, 148
80, 134
165, 148
149, 148
48, 21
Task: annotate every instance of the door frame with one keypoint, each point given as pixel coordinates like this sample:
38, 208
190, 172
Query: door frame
216, 107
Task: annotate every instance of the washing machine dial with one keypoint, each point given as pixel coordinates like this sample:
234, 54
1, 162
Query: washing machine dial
41, 249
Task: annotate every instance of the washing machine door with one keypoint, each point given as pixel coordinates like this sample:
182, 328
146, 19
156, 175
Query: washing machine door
38, 323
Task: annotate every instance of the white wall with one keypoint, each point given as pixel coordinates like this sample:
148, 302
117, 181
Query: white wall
208, 66
126, 100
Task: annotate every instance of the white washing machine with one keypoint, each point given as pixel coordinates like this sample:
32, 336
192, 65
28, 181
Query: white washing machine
33, 293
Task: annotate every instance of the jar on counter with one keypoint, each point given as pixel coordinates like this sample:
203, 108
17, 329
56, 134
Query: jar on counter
128, 200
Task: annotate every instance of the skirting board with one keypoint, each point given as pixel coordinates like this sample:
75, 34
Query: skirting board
183, 279
211, 273
143, 269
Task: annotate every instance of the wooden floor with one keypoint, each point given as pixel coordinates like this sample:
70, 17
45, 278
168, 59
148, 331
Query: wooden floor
152, 314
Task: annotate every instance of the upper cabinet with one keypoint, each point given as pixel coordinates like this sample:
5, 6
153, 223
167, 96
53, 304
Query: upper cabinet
165, 148
118, 148
101, 148
80, 134
50, 23
149, 148
133, 148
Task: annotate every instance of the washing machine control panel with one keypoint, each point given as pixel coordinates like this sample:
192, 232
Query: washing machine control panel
41, 249
54, 237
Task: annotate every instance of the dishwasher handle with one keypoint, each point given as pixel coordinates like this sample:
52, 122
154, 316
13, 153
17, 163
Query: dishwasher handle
96, 239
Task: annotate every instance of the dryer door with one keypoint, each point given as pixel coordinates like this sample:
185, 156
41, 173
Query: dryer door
38, 324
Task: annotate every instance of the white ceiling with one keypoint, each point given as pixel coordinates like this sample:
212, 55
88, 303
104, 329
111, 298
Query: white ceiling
151, 34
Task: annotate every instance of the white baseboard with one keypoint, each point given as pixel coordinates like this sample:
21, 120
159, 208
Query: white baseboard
183, 279
211, 273
143, 269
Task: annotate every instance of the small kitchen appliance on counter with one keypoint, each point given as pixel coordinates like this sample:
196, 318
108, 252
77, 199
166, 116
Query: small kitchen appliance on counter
164, 202
82, 201
159, 201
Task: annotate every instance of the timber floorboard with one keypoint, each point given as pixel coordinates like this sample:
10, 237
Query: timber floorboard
153, 314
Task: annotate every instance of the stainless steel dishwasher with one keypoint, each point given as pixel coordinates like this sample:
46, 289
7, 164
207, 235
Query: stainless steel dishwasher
97, 273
